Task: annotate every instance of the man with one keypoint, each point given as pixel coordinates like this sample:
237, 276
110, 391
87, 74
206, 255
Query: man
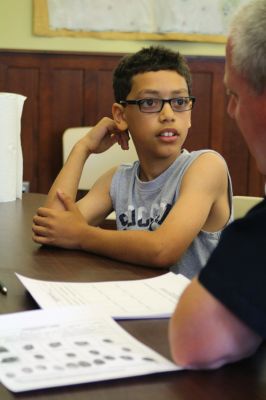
221, 316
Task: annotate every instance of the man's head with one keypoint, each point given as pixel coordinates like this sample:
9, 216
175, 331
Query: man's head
146, 60
248, 44
245, 77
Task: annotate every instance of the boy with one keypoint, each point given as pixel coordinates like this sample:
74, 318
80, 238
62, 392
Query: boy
171, 205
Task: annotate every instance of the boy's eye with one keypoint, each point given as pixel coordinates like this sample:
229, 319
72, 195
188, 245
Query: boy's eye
149, 102
179, 101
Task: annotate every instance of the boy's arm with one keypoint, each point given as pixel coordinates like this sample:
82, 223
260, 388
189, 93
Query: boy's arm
204, 189
99, 139
204, 334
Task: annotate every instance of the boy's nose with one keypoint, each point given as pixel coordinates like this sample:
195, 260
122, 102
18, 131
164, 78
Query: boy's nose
166, 112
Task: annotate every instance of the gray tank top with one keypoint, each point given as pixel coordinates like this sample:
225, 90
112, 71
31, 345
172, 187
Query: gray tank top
144, 206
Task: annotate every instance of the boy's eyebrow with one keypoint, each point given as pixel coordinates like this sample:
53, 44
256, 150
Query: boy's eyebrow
158, 93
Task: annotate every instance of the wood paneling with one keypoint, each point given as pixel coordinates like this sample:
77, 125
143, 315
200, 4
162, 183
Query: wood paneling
73, 89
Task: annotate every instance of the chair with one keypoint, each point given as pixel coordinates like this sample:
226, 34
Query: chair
242, 204
96, 164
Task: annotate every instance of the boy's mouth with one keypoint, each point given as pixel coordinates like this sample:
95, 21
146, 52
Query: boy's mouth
168, 133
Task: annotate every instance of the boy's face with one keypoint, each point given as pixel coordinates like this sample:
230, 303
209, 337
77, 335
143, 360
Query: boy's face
158, 134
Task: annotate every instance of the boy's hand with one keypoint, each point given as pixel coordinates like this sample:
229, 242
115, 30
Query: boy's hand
59, 228
103, 135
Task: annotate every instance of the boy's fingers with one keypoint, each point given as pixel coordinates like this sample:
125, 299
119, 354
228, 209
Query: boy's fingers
44, 212
122, 140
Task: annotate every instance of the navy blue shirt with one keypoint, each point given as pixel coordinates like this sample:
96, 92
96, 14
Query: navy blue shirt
236, 271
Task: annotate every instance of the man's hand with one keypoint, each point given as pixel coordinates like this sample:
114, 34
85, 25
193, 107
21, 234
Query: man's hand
59, 228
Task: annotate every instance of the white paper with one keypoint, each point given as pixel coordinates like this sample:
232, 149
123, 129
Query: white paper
144, 298
11, 161
48, 348
158, 16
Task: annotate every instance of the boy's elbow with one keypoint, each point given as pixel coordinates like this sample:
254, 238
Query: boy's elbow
161, 257
161, 261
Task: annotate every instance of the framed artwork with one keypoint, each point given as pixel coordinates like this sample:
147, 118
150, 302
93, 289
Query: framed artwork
191, 20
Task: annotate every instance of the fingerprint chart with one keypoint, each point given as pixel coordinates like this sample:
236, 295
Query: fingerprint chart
55, 353
26, 359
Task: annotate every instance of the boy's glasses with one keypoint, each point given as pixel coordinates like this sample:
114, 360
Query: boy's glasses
178, 104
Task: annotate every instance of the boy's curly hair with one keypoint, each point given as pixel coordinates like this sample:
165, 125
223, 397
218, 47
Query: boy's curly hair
154, 58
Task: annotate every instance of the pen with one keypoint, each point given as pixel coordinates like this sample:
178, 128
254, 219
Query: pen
3, 288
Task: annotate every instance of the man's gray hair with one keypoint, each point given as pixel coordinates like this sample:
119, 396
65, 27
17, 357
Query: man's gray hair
248, 39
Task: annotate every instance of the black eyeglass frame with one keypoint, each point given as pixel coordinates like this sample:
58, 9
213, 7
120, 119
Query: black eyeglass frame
163, 101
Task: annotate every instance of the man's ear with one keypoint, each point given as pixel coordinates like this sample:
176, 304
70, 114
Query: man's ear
189, 121
119, 117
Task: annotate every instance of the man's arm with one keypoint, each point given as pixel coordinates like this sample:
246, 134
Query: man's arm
204, 187
205, 334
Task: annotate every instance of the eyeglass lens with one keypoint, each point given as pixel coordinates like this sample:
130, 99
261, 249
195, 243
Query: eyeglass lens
155, 105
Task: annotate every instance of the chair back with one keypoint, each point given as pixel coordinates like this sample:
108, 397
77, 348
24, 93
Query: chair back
97, 164
242, 204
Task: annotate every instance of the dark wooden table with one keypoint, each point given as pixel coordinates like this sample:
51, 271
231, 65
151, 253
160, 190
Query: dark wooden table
243, 380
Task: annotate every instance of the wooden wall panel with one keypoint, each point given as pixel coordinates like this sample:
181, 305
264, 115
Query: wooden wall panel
46, 141
75, 89
105, 94
67, 109
91, 109
200, 131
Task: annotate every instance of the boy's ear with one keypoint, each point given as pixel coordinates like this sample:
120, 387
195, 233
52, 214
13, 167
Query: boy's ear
119, 117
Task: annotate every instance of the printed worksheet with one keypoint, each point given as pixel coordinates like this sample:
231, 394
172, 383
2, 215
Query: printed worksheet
70, 345
144, 298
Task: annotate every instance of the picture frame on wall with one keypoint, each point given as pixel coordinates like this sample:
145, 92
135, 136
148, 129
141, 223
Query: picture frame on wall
167, 20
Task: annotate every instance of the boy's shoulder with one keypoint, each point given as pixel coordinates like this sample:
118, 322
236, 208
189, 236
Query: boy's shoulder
128, 167
197, 153
209, 169
208, 157
126, 170
203, 155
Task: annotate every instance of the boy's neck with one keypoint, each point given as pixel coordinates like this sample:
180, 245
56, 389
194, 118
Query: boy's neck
150, 170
